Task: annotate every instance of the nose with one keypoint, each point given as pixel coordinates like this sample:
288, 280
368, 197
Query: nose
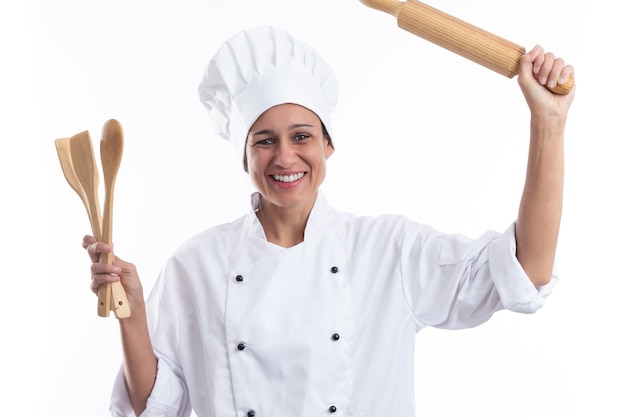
285, 154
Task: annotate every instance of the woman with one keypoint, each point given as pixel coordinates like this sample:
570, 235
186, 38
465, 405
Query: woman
297, 309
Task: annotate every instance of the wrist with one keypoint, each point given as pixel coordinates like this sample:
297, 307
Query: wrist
137, 316
548, 125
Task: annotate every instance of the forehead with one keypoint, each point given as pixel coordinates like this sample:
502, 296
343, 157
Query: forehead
287, 114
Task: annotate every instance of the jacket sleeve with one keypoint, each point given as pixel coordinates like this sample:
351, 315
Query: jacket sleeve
451, 281
515, 289
169, 396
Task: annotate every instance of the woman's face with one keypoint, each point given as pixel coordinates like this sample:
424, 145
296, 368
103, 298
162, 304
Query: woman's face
286, 152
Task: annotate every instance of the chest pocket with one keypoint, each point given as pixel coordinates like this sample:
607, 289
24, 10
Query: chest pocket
288, 332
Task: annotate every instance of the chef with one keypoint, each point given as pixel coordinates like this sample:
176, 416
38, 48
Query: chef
297, 309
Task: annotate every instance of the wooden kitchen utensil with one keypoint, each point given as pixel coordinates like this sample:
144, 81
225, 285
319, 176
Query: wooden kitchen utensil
460, 37
112, 295
65, 158
86, 171
80, 170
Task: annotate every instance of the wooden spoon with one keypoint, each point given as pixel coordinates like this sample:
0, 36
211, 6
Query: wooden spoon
111, 296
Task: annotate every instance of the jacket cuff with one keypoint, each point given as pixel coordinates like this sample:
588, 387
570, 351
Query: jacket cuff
168, 397
516, 290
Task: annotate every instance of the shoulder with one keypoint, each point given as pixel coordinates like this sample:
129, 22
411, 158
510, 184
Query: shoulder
384, 224
385, 227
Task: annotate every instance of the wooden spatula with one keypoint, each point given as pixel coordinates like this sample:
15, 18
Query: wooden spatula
86, 171
64, 153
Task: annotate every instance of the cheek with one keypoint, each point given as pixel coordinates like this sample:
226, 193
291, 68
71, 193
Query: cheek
255, 165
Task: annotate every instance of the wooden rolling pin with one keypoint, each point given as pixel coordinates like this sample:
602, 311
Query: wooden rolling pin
460, 37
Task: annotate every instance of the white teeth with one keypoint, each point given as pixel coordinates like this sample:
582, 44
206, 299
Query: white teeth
288, 178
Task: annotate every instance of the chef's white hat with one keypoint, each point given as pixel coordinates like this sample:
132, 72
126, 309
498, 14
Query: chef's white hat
261, 68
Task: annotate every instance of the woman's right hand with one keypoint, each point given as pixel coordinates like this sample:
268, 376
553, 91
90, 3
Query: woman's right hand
119, 270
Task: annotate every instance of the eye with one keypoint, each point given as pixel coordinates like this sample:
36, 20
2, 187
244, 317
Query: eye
301, 136
264, 142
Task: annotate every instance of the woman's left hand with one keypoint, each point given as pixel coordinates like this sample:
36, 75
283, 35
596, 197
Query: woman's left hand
539, 70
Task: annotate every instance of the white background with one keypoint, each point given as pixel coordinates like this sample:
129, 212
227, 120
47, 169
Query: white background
418, 131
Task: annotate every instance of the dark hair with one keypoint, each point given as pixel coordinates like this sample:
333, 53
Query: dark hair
326, 135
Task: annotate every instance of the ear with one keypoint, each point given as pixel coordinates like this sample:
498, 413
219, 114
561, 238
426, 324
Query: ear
328, 146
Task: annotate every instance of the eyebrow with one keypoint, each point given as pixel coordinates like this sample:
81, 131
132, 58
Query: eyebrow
291, 127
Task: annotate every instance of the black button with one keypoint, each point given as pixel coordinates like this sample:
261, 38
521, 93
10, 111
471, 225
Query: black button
241, 346
239, 278
332, 409
334, 269
336, 336
251, 413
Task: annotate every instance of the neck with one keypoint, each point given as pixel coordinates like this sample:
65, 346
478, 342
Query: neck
284, 226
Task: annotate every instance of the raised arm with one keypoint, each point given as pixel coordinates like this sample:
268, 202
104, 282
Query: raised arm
539, 216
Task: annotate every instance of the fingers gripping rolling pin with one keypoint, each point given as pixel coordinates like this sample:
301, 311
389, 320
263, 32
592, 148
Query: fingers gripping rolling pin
460, 37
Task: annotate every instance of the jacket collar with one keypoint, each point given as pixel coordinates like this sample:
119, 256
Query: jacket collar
314, 223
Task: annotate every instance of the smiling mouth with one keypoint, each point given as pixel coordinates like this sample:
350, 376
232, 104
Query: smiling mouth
288, 178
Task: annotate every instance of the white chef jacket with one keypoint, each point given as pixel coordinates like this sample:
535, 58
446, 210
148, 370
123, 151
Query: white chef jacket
242, 327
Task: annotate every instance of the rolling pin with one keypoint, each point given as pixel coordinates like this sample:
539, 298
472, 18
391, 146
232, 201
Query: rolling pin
462, 38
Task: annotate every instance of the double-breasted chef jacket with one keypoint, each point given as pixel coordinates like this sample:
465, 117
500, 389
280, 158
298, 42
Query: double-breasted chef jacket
245, 328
